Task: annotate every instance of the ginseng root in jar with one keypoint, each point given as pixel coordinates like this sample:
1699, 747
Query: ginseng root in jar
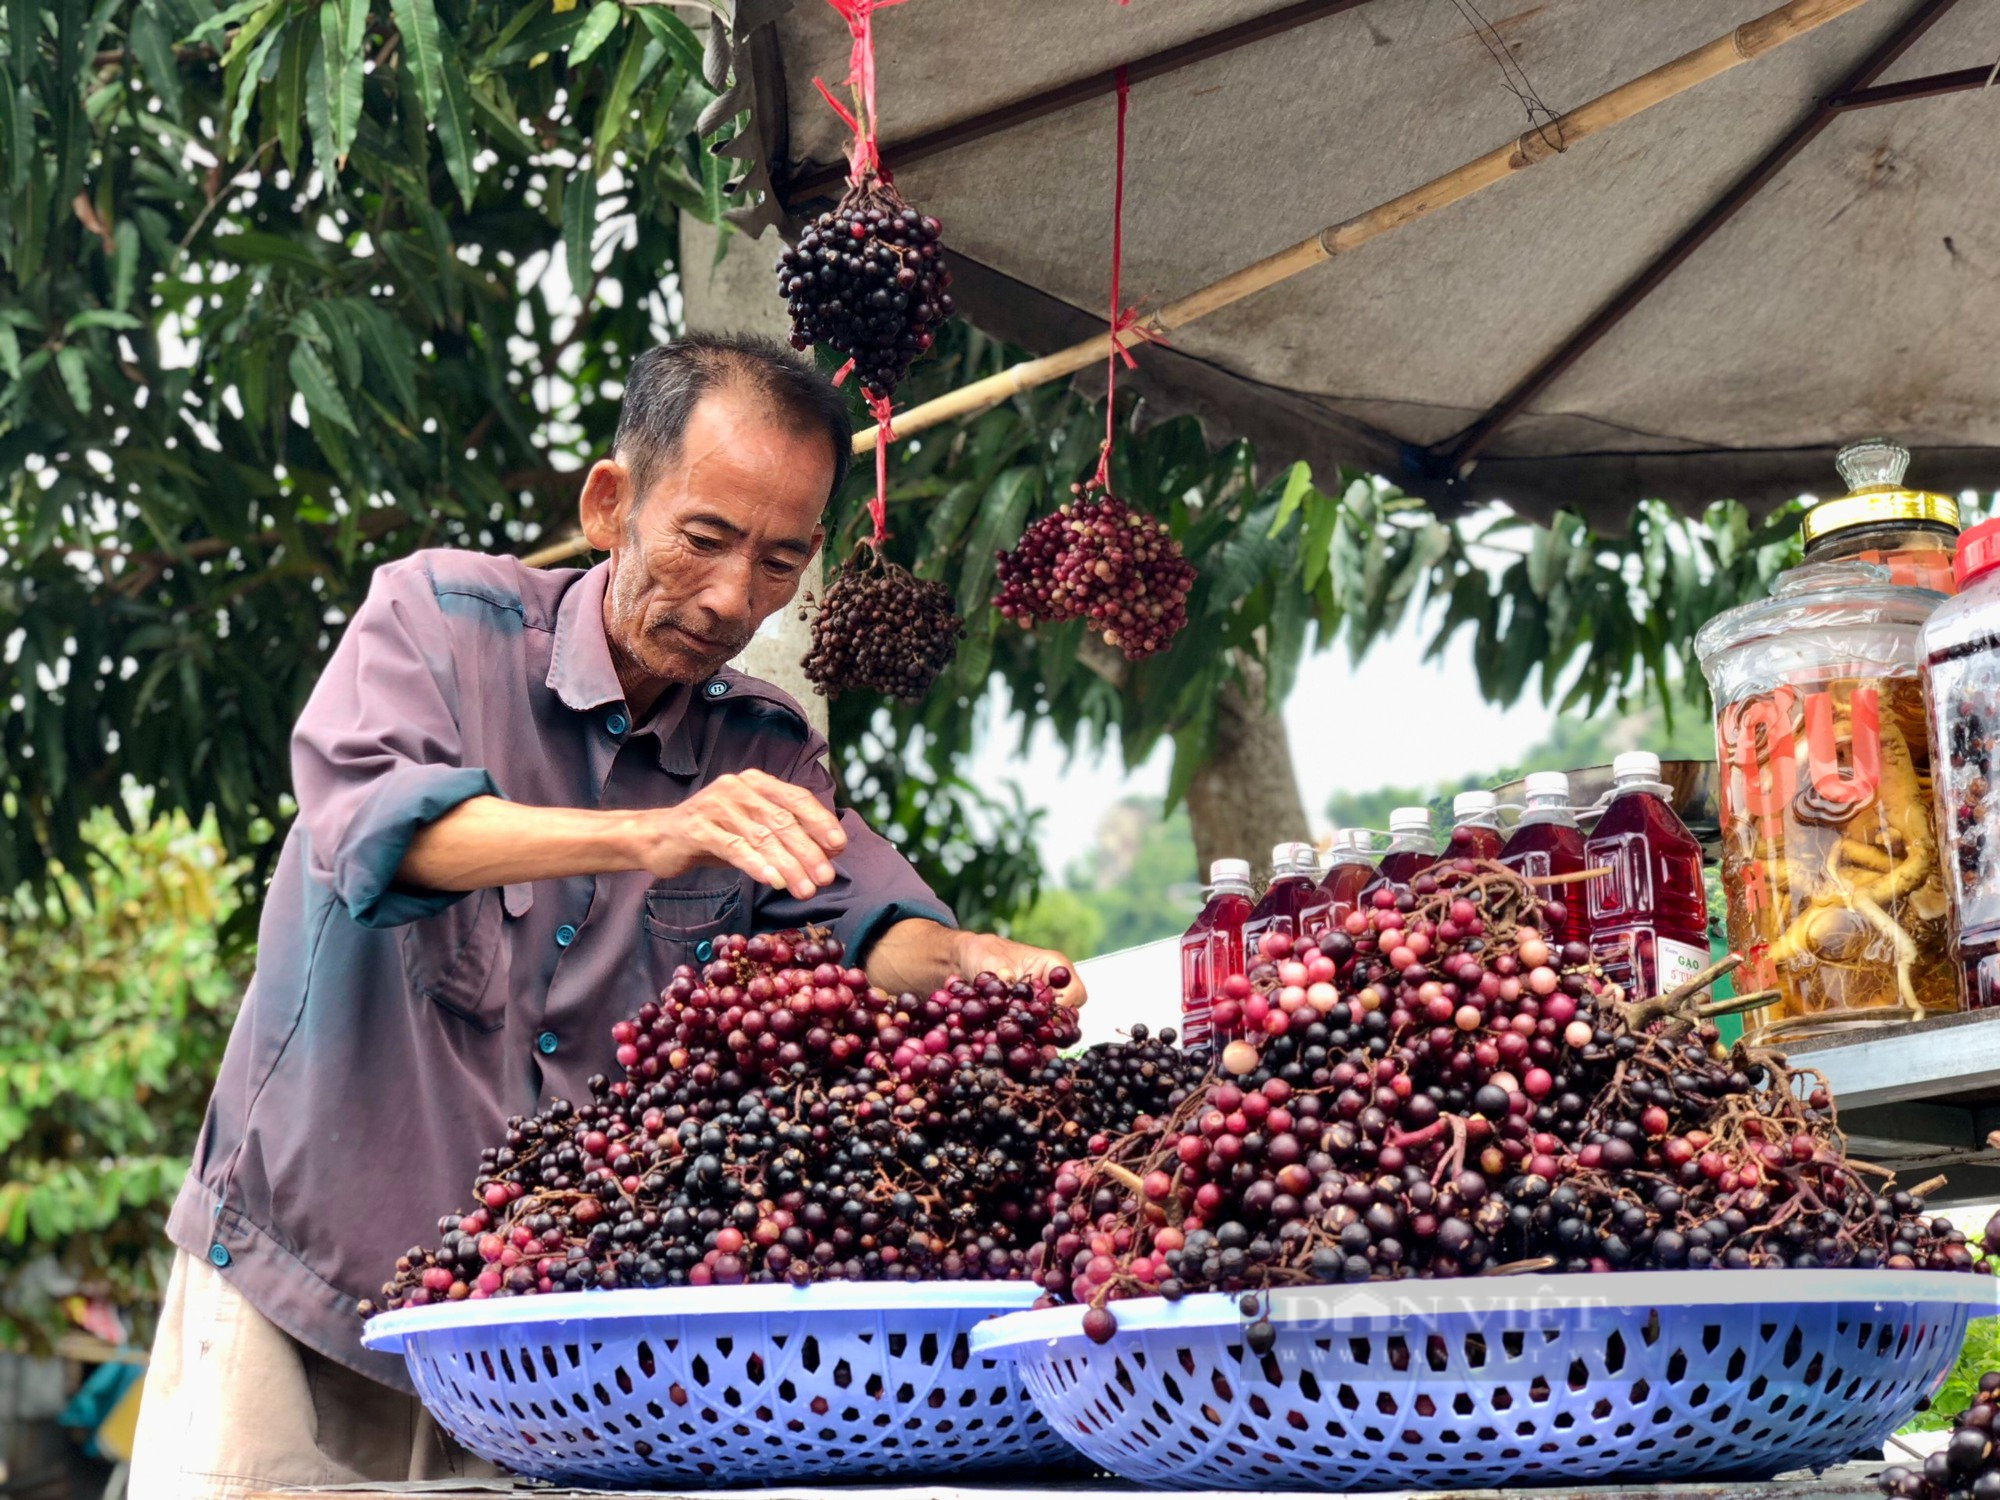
1830, 860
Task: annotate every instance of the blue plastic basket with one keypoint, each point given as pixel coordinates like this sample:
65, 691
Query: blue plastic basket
1655, 1376
727, 1385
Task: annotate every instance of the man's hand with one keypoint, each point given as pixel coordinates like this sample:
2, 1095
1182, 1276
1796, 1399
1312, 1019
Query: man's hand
776, 833
984, 953
916, 955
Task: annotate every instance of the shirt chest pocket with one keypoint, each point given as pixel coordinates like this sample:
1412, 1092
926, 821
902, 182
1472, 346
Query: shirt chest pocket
458, 958
682, 921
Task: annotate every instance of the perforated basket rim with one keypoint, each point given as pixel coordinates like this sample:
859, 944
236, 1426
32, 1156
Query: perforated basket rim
1416, 1300
389, 1331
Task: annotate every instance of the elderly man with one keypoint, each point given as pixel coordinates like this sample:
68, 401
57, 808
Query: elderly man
524, 798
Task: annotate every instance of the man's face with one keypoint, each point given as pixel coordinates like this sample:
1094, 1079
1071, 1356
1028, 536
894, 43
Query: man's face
718, 545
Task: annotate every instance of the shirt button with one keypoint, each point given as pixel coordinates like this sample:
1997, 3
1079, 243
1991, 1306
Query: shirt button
218, 1255
716, 689
615, 724
703, 951
546, 1044
565, 935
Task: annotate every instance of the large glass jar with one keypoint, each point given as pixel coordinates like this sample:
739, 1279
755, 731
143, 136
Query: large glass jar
1909, 532
1830, 857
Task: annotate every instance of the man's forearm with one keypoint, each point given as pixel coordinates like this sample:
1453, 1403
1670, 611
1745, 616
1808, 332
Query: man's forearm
913, 956
490, 841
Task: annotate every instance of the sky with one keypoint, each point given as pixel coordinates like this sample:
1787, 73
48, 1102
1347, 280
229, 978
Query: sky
1442, 729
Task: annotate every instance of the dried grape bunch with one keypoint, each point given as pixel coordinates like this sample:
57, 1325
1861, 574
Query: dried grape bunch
1098, 559
868, 278
1968, 1466
880, 628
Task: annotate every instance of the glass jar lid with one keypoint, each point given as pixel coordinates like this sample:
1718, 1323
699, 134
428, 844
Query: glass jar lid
1873, 469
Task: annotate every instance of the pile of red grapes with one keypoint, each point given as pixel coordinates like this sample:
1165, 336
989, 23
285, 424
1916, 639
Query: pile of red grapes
779, 1121
1099, 560
868, 278
1968, 1466
1440, 1087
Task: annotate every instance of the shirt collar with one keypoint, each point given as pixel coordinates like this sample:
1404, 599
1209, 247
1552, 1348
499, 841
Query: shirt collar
582, 675
580, 668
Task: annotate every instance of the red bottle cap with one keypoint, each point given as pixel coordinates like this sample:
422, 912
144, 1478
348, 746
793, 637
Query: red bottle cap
1978, 552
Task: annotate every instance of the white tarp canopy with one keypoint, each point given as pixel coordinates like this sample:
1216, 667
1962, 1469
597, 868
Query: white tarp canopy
1856, 292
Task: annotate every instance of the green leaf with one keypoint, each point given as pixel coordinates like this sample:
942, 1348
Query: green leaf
1002, 515
319, 118
315, 382
388, 350
250, 31
17, 133
596, 31
454, 126
10, 351
579, 213
618, 101
155, 54
343, 32
491, 102
221, 21
250, 72
75, 372
100, 317
673, 34
289, 97
124, 262
417, 21
1297, 482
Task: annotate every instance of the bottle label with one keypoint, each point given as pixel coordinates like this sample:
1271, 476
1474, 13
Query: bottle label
1678, 962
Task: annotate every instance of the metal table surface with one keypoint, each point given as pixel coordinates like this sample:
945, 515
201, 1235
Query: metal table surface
1920, 1099
1847, 1482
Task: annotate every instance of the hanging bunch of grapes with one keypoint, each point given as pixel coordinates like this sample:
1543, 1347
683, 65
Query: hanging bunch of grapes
882, 629
868, 278
1097, 559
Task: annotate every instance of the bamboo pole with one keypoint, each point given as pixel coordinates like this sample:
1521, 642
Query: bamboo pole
1747, 42
1744, 44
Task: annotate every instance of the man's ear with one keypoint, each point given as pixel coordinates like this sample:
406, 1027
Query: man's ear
605, 504
819, 541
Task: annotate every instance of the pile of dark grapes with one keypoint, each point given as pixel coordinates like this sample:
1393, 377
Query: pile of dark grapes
880, 628
778, 1121
1099, 560
868, 278
1438, 1087
1968, 1466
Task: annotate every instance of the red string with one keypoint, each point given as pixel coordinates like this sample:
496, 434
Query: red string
878, 507
862, 156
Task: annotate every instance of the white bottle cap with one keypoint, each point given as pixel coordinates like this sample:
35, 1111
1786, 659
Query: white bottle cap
1635, 765
1548, 784
1410, 820
1354, 840
1229, 870
1472, 805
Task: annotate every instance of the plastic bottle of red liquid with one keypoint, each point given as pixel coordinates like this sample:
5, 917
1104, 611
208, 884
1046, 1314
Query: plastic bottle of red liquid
1649, 915
1350, 871
1411, 848
1548, 842
1212, 949
1294, 889
1475, 827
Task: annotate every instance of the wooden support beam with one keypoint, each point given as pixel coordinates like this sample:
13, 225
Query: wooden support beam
1930, 86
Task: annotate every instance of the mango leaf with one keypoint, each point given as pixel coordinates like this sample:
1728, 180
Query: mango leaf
579, 213
417, 22
154, 51
454, 125
596, 31
1002, 514
1298, 480
617, 103
673, 34
343, 31
316, 383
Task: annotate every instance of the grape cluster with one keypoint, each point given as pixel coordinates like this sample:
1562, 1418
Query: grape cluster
880, 628
1440, 1087
778, 1121
1968, 1466
868, 278
1099, 560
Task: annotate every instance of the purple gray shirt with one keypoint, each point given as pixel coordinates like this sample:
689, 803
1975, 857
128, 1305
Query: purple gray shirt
389, 1032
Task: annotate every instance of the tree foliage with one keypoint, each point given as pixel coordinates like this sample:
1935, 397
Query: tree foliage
115, 1002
